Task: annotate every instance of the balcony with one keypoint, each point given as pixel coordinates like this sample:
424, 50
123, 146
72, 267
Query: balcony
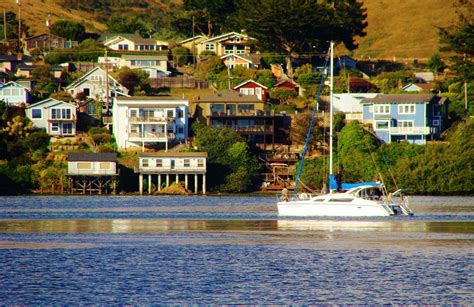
192, 169
143, 119
151, 136
354, 116
253, 129
70, 119
250, 113
410, 130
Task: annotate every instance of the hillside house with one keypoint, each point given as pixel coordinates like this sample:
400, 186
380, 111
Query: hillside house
57, 117
232, 42
414, 118
192, 42
94, 86
418, 87
89, 172
290, 84
9, 63
162, 167
245, 114
47, 41
245, 60
134, 42
140, 121
251, 87
154, 65
26, 71
14, 94
349, 104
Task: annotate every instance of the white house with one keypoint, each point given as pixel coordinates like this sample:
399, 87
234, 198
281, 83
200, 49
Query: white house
154, 65
92, 164
149, 120
134, 42
350, 104
13, 93
93, 85
167, 166
418, 87
232, 42
57, 117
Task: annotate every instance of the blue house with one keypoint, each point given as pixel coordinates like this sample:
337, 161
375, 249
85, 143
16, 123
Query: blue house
414, 118
14, 94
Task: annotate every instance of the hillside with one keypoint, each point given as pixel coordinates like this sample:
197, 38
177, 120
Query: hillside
397, 28
404, 28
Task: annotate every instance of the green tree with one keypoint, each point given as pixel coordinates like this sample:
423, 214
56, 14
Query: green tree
231, 165
181, 56
301, 26
69, 30
12, 26
459, 39
127, 23
135, 80
435, 63
211, 14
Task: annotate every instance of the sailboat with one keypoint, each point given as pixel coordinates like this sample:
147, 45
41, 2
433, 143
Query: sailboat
368, 199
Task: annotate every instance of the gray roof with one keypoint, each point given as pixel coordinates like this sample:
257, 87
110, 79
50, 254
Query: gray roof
228, 96
404, 98
92, 156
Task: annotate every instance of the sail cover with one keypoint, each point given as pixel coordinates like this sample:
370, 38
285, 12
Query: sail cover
335, 184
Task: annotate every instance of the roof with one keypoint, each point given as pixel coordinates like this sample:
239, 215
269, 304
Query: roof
172, 154
136, 38
32, 67
405, 98
144, 57
248, 81
421, 86
87, 74
195, 38
51, 102
131, 98
285, 81
225, 36
252, 58
44, 34
228, 96
92, 156
12, 83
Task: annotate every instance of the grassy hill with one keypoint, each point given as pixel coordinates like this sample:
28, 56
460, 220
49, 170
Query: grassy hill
397, 28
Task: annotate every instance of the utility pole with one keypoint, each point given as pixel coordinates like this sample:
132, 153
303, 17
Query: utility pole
228, 76
5, 24
465, 95
106, 83
48, 24
194, 51
19, 25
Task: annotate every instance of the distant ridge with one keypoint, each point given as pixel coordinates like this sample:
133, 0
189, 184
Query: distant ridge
397, 28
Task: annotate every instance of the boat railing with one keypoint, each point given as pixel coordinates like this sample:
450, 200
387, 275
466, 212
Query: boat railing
294, 196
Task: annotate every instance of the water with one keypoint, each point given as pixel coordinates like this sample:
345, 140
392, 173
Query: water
230, 250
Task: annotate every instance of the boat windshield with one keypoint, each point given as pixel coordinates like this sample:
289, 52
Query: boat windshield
372, 193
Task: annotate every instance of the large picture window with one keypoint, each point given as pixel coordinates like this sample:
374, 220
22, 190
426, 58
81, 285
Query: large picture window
381, 125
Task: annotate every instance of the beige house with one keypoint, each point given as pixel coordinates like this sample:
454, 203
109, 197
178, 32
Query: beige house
245, 60
233, 42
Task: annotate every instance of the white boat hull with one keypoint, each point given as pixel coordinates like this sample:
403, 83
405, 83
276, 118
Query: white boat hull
310, 208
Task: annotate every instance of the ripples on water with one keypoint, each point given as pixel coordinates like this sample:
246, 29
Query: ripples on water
229, 250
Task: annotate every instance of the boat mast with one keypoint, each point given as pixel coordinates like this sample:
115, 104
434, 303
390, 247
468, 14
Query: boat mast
331, 88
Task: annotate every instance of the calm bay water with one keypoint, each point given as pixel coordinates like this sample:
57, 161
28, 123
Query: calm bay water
230, 250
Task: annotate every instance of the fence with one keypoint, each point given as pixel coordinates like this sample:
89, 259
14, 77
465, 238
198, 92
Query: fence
178, 82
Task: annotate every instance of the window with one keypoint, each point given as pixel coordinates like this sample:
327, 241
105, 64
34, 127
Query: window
229, 49
371, 109
36, 113
133, 113
186, 163
54, 127
173, 164
435, 122
84, 165
406, 109
104, 165
200, 162
217, 109
381, 125
86, 91
210, 46
240, 49
159, 163
169, 113
92, 109
405, 123
144, 162
7, 92
67, 128
245, 108
382, 109
180, 130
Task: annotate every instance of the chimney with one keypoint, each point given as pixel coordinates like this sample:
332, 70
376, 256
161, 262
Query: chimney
19, 56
